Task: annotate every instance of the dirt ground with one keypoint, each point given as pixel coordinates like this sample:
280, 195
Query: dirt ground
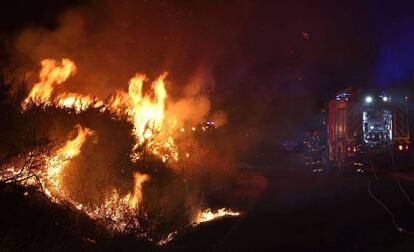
299, 211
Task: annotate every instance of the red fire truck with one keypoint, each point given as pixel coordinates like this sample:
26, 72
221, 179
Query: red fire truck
362, 123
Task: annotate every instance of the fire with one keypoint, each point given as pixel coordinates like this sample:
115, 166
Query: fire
145, 111
201, 217
77, 101
147, 114
208, 215
72, 147
48, 169
53, 73
120, 211
117, 208
136, 199
152, 131
62, 157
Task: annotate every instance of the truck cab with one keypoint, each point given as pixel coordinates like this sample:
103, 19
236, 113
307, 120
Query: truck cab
361, 123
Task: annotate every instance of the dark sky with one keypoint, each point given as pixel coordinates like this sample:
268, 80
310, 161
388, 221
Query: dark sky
273, 62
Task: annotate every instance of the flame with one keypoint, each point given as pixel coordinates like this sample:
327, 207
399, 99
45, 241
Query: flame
62, 157
152, 129
147, 114
208, 215
47, 170
77, 101
145, 111
167, 238
136, 199
120, 210
148, 117
53, 73
202, 216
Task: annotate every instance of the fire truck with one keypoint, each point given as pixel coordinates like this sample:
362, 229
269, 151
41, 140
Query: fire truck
361, 124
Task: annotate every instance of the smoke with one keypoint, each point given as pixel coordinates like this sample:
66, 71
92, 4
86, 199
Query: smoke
109, 45
112, 45
34, 44
111, 42
194, 105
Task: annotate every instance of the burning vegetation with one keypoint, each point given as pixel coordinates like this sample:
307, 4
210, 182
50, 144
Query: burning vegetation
122, 160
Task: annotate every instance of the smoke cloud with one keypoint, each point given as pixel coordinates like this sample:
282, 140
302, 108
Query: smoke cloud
110, 43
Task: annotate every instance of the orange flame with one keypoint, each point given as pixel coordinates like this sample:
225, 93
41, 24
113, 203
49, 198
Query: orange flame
139, 180
208, 215
146, 112
119, 209
151, 129
77, 101
62, 157
53, 73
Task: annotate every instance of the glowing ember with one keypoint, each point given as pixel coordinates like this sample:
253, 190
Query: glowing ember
168, 238
49, 167
208, 215
119, 211
202, 216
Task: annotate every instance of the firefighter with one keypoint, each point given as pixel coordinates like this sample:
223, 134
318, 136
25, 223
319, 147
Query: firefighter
316, 152
307, 148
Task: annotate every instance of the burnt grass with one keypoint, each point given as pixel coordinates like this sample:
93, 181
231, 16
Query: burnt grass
30, 222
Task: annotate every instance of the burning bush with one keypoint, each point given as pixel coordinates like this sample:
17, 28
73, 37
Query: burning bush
123, 161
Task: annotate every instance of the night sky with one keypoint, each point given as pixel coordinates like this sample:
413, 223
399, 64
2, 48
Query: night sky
273, 64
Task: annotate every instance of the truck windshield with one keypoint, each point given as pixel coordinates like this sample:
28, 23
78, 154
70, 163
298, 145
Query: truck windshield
377, 126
